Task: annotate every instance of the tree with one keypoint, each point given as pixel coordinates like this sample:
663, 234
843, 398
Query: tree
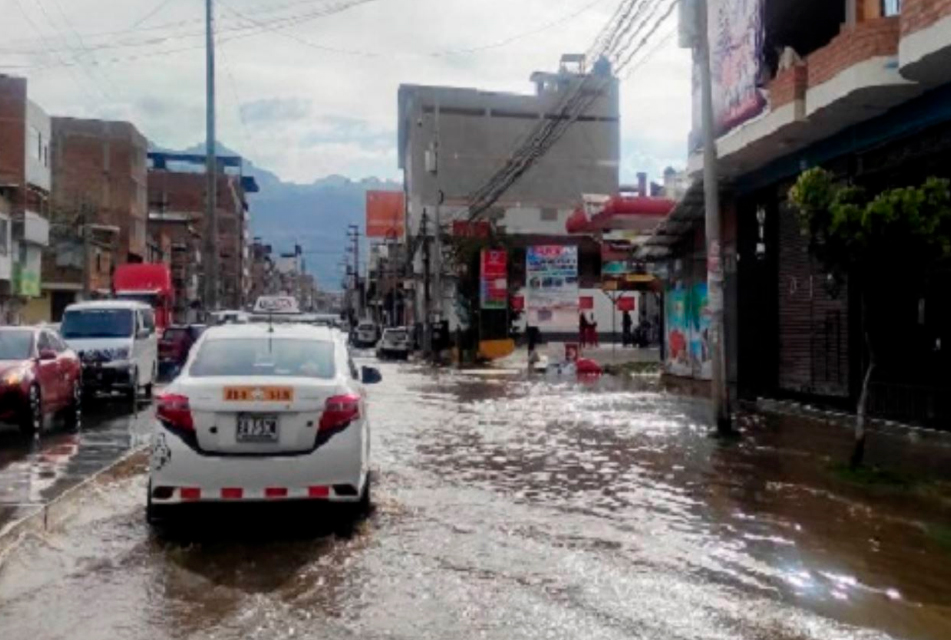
863, 236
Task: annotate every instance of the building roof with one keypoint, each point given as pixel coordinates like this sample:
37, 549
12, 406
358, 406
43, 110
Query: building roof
688, 213
107, 304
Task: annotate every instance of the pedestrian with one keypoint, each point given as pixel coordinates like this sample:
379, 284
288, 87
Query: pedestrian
627, 323
593, 332
583, 328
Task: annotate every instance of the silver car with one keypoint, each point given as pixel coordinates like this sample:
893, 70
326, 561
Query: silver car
394, 344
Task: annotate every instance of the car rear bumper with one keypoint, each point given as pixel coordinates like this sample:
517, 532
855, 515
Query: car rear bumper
107, 377
334, 472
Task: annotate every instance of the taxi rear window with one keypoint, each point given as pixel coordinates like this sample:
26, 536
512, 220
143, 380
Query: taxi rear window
281, 357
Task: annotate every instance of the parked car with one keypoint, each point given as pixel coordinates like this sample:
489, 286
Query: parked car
117, 345
262, 412
395, 343
365, 335
39, 376
175, 345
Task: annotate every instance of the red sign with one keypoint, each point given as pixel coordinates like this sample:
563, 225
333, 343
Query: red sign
466, 229
586, 303
494, 282
385, 214
518, 303
626, 304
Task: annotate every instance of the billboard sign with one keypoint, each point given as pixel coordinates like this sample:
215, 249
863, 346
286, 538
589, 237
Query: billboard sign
493, 280
736, 34
385, 215
551, 273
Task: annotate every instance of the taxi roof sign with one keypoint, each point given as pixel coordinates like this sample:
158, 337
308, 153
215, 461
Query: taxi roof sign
276, 305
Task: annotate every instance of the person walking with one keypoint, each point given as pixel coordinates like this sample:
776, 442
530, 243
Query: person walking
583, 328
627, 323
593, 332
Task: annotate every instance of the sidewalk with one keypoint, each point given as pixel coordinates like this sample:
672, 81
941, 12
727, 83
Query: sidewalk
604, 355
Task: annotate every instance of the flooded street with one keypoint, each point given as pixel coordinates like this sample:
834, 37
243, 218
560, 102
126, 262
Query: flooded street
508, 508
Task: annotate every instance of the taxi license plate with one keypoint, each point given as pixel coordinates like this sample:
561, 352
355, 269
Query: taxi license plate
256, 428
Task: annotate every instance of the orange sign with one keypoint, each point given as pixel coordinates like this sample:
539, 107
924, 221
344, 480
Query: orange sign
259, 394
385, 214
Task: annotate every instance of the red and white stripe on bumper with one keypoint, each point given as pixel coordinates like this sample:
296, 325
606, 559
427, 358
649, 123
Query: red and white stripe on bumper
235, 494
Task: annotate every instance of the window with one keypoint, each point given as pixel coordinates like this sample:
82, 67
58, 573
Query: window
549, 215
35, 144
16, 344
148, 321
98, 323
58, 343
281, 357
44, 343
891, 7
4, 236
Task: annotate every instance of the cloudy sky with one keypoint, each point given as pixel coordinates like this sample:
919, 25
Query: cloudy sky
306, 89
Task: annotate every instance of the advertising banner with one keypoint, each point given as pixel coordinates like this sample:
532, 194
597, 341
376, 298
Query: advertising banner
736, 32
687, 321
493, 280
551, 273
385, 215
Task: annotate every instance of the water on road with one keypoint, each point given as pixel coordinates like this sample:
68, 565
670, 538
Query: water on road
509, 508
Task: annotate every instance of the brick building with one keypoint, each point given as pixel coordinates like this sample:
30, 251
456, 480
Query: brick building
861, 88
176, 199
98, 209
24, 198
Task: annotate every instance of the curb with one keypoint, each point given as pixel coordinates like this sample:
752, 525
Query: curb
55, 512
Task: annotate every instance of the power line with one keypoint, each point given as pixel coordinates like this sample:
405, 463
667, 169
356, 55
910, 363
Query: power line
39, 33
519, 36
148, 16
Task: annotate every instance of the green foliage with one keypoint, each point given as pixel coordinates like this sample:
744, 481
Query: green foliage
848, 228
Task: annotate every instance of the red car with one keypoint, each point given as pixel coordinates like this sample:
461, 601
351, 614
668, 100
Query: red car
39, 377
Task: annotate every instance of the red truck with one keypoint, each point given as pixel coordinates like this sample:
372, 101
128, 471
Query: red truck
148, 283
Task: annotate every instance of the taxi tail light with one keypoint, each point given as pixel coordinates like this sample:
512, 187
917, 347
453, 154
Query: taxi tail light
339, 411
173, 410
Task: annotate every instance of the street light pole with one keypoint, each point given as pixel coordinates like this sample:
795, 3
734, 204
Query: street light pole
211, 168
718, 392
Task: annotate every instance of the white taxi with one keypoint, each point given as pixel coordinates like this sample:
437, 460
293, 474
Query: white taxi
262, 413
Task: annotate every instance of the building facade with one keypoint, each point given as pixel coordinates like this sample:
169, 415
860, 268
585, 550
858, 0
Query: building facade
25, 183
452, 141
176, 198
862, 89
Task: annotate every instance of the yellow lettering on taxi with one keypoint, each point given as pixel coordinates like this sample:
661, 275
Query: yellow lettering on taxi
258, 394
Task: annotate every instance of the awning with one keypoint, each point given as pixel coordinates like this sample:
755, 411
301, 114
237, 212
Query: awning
686, 216
622, 213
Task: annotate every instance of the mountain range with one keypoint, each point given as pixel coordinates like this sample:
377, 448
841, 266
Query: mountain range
314, 216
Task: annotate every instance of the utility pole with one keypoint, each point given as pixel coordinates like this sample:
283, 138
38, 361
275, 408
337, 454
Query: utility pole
211, 168
87, 268
437, 222
718, 392
427, 300
353, 233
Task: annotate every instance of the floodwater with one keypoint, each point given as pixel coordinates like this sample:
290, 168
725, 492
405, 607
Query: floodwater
508, 508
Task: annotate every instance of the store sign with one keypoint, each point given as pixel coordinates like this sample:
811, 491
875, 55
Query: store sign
386, 215
467, 229
552, 276
586, 303
493, 280
627, 304
518, 303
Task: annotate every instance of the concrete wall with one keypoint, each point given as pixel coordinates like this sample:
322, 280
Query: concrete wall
39, 133
479, 130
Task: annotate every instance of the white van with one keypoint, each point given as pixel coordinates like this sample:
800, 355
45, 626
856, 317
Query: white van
117, 344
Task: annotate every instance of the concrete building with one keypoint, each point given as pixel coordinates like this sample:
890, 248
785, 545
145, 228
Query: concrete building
453, 140
860, 88
25, 182
176, 197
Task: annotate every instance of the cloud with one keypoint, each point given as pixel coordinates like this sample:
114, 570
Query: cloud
275, 111
317, 95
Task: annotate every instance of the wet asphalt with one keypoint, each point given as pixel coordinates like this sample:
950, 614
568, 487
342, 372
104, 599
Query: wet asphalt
504, 508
